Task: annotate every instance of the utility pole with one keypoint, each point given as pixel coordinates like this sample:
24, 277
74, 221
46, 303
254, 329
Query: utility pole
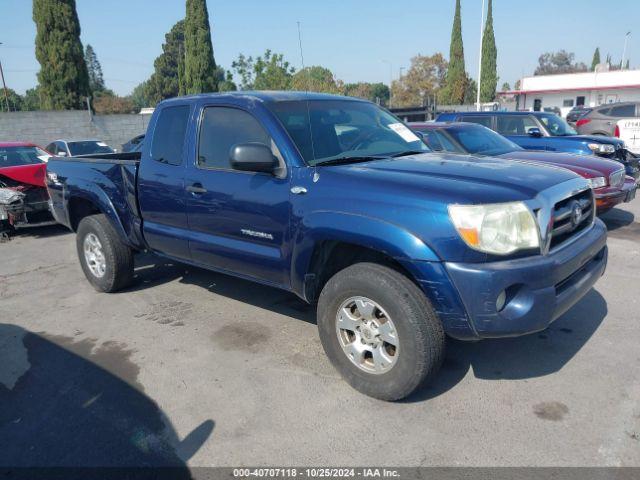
6, 92
390, 78
480, 57
624, 50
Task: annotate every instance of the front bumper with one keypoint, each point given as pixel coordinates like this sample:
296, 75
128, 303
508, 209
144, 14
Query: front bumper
539, 289
609, 197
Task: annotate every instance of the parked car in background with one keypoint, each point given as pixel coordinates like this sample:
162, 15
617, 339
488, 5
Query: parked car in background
603, 120
133, 145
575, 113
606, 177
74, 148
546, 131
336, 200
23, 194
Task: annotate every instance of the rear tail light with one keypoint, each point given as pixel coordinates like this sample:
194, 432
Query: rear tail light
616, 131
582, 121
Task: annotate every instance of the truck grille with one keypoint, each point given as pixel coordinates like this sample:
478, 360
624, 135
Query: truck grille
616, 178
571, 216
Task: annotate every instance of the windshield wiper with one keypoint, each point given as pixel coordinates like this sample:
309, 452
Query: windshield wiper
347, 160
409, 152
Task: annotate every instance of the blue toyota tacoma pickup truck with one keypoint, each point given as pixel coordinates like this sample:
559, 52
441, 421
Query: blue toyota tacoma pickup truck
337, 201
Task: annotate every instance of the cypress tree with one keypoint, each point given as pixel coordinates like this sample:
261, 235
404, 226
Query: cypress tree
199, 64
96, 79
167, 79
596, 59
63, 76
456, 80
489, 74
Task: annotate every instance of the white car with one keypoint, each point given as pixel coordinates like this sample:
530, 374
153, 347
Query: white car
73, 148
628, 130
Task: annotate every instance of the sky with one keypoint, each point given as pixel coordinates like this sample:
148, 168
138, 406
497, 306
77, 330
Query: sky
359, 40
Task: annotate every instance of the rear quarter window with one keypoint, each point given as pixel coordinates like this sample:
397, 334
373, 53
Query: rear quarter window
484, 120
169, 134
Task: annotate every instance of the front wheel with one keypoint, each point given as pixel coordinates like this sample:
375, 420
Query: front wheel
379, 331
106, 261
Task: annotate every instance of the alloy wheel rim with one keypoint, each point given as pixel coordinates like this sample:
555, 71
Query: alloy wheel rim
94, 255
367, 335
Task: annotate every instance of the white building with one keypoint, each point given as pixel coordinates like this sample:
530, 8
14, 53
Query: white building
565, 91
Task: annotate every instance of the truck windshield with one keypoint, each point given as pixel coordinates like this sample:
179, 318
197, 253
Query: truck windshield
479, 140
556, 126
88, 147
325, 130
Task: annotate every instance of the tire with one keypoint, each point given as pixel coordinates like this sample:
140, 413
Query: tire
418, 331
117, 272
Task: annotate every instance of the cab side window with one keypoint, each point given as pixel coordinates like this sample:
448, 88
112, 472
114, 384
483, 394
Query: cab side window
484, 120
169, 135
221, 129
515, 124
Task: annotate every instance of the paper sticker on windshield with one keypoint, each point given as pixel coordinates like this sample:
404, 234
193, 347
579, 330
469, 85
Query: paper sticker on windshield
406, 134
102, 144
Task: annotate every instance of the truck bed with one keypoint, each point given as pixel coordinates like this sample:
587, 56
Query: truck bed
107, 180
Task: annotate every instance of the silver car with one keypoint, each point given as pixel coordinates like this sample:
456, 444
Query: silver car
602, 120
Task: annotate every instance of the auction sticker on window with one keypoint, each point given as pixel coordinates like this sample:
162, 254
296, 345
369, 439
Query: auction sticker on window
406, 134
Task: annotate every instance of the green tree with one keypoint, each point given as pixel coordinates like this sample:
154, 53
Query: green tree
32, 99
316, 79
165, 80
225, 81
558, 62
506, 87
489, 74
14, 99
63, 75
456, 78
200, 66
375, 92
96, 79
596, 59
139, 96
269, 71
425, 78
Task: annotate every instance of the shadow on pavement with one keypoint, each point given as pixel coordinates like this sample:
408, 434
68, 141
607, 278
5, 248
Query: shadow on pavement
68, 403
616, 218
152, 270
44, 231
531, 356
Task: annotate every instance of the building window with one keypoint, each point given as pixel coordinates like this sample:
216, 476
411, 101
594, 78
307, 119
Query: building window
567, 102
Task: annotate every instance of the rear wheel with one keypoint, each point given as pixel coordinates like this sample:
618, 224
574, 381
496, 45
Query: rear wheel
380, 331
106, 261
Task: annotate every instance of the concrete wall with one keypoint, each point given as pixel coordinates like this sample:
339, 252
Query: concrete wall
44, 127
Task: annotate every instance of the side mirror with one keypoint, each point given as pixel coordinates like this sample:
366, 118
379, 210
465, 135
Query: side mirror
253, 157
535, 132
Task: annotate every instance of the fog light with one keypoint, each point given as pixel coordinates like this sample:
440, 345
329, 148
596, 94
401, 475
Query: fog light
501, 300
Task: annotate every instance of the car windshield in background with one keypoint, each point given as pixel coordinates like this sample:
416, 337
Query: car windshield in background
479, 140
88, 148
331, 130
18, 156
556, 126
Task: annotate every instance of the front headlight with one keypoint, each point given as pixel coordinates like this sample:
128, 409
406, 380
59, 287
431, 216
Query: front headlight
597, 182
499, 228
601, 148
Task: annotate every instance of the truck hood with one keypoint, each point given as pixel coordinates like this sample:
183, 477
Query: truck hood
594, 139
29, 174
587, 166
456, 177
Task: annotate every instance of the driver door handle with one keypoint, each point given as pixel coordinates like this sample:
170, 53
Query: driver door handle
196, 189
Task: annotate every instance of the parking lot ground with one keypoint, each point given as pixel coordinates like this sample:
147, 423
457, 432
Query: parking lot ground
194, 368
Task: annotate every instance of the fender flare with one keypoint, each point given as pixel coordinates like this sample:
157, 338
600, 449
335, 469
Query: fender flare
369, 232
88, 191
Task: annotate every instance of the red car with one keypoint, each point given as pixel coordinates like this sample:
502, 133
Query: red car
23, 194
607, 178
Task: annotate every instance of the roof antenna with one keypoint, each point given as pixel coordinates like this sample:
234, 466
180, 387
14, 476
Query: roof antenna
316, 175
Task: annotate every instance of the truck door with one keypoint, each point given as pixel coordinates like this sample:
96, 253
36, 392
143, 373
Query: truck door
161, 194
239, 220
